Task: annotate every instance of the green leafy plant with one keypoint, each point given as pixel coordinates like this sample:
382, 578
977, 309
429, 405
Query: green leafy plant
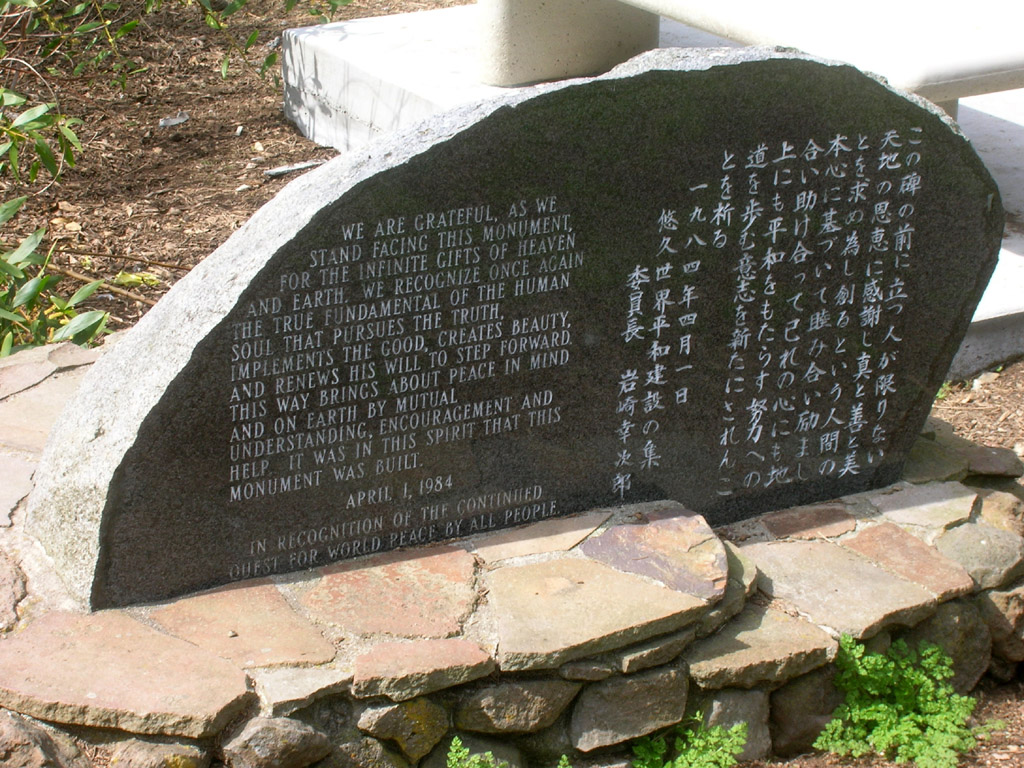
694, 745
459, 757
899, 705
31, 313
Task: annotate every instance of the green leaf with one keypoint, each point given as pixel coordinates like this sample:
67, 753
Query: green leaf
9, 209
233, 7
28, 293
26, 247
5, 347
133, 279
268, 62
4, 314
82, 327
47, 158
11, 270
125, 29
9, 98
251, 41
224, 67
84, 292
13, 158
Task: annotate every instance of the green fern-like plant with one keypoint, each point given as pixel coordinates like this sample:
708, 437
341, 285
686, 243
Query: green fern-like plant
899, 705
694, 746
459, 756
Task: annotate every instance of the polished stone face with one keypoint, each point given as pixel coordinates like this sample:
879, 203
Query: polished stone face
738, 288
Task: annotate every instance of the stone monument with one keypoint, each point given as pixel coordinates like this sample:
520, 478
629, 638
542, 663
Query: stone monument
733, 279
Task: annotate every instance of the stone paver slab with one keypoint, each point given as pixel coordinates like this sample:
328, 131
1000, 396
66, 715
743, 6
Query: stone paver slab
837, 588
817, 521
936, 506
403, 671
424, 593
17, 482
555, 611
12, 591
283, 690
907, 556
759, 646
558, 534
29, 416
108, 670
251, 625
24, 370
992, 556
674, 546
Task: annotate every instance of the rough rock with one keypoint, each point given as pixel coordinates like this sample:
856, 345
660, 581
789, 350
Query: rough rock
616, 710
363, 753
108, 670
545, 611
837, 588
930, 461
908, 557
1002, 670
283, 690
815, 521
801, 709
1003, 612
136, 753
728, 707
425, 593
515, 707
741, 585
932, 508
505, 754
249, 624
761, 646
991, 556
547, 746
403, 671
276, 742
1004, 511
673, 546
958, 628
24, 744
12, 592
587, 670
653, 653
416, 726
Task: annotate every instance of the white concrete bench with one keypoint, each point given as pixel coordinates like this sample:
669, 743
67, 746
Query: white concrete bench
942, 56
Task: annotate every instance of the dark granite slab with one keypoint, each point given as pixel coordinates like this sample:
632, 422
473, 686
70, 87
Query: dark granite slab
737, 286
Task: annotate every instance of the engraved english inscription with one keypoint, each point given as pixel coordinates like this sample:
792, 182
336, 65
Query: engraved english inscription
370, 360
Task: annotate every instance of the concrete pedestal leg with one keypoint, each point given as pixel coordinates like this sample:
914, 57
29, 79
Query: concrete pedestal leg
527, 41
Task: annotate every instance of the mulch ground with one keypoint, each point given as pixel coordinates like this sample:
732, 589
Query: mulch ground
148, 203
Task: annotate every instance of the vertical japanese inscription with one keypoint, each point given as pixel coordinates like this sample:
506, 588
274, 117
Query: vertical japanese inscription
816, 239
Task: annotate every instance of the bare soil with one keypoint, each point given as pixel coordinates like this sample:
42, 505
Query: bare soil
157, 200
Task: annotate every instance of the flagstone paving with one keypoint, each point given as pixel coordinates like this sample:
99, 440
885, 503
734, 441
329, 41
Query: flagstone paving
616, 604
